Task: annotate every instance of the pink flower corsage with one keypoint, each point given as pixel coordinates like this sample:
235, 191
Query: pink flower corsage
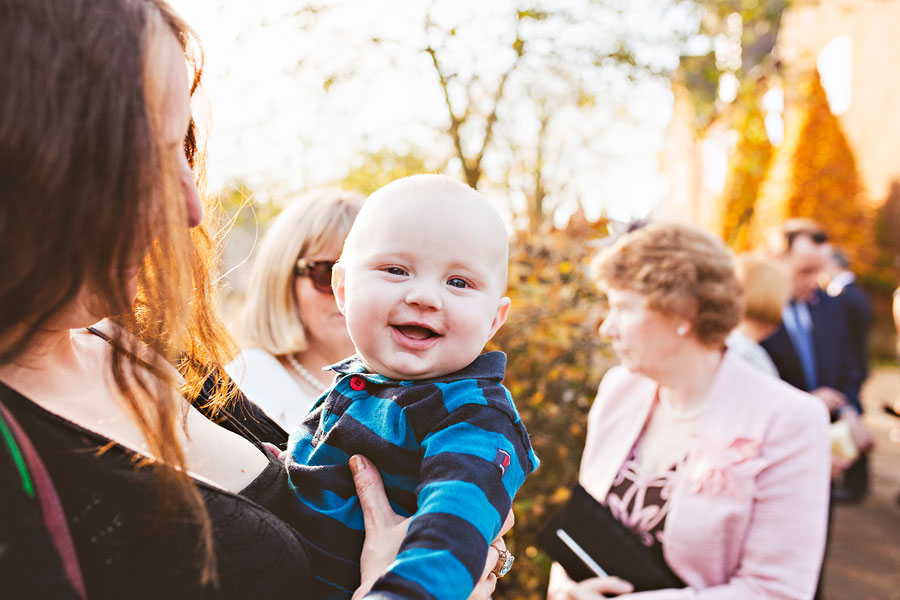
716, 469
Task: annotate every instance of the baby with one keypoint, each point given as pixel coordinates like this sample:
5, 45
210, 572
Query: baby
421, 282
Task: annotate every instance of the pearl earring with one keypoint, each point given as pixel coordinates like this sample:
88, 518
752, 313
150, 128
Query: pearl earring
682, 330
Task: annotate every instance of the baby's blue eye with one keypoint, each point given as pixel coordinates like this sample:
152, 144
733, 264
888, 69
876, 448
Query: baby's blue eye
395, 271
458, 283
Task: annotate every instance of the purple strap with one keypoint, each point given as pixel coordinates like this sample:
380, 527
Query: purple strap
54, 517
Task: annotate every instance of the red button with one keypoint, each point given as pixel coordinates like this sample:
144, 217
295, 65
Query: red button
357, 383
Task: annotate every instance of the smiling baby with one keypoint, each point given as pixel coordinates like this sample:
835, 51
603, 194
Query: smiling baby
421, 282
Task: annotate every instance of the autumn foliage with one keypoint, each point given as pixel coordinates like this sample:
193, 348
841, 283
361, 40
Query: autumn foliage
556, 360
749, 166
814, 174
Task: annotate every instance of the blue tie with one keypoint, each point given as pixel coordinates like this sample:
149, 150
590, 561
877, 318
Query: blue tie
803, 343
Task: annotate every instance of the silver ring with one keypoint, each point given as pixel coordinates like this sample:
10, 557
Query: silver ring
504, 563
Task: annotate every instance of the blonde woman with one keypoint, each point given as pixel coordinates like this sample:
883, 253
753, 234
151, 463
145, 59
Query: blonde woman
292, 327
767, 290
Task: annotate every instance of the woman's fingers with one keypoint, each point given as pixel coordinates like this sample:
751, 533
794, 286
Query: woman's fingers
376, 509
597, 587
507, 524
485, 588
385, 529
275, 450
493, 555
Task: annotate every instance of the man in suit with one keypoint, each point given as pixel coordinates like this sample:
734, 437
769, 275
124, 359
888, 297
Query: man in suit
841, 285
857, 311
810, 347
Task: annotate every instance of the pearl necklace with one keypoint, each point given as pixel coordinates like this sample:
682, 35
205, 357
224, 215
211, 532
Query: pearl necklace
304, 374
679, 414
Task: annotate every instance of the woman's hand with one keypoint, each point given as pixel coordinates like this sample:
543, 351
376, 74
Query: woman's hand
385, 529
485, 587
563, 588
597, 587
594, 588
275, 451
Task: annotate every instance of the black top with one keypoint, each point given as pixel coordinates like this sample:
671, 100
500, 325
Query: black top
112, 508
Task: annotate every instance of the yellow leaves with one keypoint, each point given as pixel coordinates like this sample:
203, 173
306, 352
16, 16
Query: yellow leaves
814, 175
748, 167
560, 495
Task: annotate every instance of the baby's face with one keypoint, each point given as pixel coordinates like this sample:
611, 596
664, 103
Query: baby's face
421, 285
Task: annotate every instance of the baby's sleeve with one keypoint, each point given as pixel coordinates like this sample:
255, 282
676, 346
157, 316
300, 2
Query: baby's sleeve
473, 463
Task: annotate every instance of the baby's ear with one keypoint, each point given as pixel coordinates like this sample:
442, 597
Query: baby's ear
337, 286
500, 315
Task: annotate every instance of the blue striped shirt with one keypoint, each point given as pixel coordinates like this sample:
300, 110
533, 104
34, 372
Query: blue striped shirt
452, 451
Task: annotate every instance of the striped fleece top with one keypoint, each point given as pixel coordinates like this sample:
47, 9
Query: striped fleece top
452, 451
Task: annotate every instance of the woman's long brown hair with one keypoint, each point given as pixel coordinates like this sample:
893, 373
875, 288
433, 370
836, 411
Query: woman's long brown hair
86, 189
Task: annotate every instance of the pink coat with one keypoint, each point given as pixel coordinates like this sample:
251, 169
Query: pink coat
747, 517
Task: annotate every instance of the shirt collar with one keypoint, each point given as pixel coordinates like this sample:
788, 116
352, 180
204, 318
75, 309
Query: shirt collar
839, 282
490, 365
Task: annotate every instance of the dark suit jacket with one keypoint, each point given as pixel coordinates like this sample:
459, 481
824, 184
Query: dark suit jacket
858, 316
833, 359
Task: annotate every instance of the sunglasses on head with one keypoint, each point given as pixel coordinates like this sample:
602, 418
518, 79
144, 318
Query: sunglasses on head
318, 271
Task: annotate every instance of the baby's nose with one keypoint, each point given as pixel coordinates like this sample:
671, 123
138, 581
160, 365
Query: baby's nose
424, 296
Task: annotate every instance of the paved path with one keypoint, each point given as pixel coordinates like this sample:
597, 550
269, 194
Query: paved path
864, 557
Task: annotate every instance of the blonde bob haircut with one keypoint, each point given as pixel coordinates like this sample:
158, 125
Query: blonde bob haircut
311, 222
681, 271
766, 285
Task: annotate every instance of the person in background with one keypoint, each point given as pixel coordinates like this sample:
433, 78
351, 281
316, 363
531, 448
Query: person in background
811, 347
840, 284
720, 468
766, 291
292, 327
895, 312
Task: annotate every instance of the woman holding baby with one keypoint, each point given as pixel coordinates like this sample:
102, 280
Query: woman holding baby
111, 483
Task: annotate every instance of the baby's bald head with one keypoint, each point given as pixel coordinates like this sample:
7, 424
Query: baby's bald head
453, 212
422, 277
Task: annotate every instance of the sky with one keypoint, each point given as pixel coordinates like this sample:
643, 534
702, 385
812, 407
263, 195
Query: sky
274, 127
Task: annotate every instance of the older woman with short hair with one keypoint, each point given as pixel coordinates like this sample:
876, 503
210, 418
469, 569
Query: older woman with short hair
292, 326
718, 468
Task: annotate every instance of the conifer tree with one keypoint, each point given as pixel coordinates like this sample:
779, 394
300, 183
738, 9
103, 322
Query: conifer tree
814, 175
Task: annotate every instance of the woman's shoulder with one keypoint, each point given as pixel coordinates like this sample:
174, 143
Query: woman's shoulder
770, 395
619, 379
617, 383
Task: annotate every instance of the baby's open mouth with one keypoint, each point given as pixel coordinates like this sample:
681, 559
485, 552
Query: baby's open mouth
415, 332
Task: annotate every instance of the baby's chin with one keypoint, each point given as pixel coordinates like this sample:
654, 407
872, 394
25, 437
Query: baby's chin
401, 373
